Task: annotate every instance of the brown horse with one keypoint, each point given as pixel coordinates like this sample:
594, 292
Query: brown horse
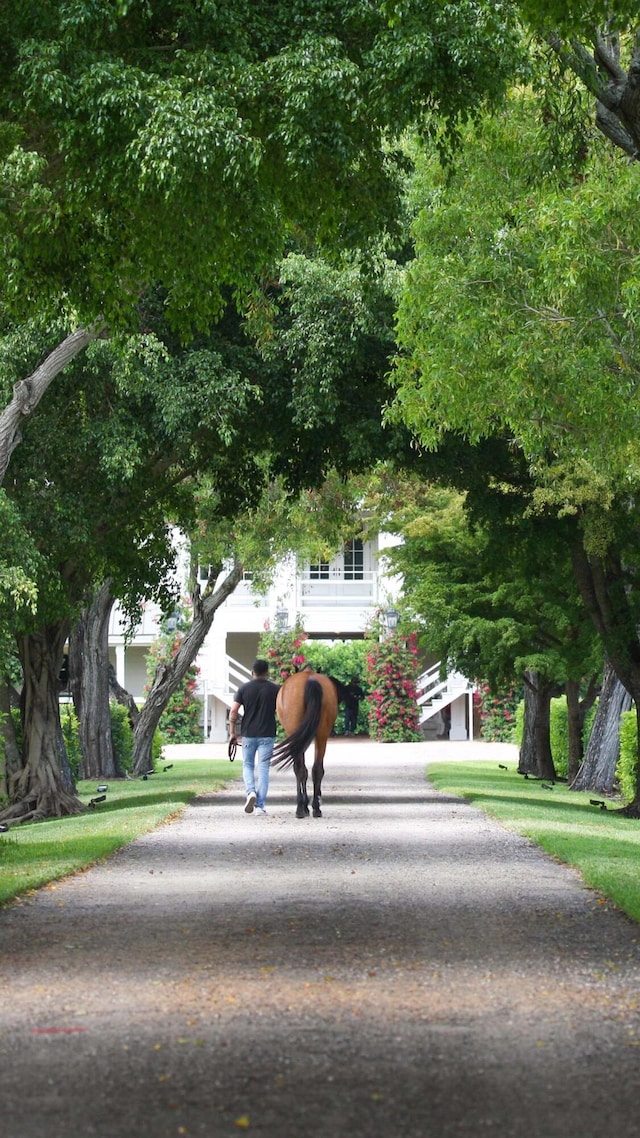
307, 707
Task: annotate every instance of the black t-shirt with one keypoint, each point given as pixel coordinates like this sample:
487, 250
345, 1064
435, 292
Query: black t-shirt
258, 698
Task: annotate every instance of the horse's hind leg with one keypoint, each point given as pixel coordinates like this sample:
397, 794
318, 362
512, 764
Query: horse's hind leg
317, 774
300, 769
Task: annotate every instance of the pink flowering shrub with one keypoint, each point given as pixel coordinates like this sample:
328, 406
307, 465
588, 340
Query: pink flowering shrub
180, 720
392, 671
283, 650
497, 713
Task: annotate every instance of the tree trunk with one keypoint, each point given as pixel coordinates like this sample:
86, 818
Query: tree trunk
615, 90
598, 770
12, 757
604, 586
537, 759
575, 721
89, 680
527, 756
169, 676
43, 788
122, 696
544, 757
28, 392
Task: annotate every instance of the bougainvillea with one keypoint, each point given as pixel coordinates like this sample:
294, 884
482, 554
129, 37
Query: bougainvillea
392, 670
283, 649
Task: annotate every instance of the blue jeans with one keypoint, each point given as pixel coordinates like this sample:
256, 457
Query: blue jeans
263, 747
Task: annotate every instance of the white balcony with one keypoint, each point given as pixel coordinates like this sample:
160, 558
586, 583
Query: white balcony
336, 589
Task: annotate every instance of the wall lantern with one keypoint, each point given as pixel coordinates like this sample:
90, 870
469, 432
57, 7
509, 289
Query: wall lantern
282, 620
172, 621
391, 619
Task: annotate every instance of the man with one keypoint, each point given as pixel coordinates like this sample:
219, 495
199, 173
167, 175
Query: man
258, 699
352, 696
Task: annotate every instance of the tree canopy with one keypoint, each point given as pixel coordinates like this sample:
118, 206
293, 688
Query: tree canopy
494, 597
185, 144
520, 310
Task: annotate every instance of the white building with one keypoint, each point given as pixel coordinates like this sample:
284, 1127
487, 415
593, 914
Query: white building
335, 600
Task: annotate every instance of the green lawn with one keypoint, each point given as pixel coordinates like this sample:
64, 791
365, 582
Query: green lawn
32, 855
601, 844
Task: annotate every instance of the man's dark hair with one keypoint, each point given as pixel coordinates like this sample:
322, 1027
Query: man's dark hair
260, 668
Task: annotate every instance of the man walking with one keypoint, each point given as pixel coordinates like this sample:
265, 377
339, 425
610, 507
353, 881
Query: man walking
258, 699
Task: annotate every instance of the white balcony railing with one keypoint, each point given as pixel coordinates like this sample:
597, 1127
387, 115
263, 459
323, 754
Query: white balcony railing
337, 589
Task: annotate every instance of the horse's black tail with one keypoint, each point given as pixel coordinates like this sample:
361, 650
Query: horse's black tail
296, 743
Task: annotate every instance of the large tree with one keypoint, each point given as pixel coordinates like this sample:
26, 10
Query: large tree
99, 475
520, 314
495, 597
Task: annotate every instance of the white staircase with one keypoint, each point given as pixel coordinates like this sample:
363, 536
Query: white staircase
217, 697
434, 694
233, 676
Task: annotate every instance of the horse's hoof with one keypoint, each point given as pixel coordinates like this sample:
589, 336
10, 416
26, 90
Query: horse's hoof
317, 813
301, 812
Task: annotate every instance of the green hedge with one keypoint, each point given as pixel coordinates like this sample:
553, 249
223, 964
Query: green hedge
627, 762
343, 659
69, 724
122, 736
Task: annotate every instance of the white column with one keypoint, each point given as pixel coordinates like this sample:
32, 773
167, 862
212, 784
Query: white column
218, 733
458, 730
120, 664
205, 711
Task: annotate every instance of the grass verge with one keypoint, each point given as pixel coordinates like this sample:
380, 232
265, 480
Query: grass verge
601, 844
34, 855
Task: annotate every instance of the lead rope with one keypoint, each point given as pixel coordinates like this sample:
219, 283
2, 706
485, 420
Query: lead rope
231, 750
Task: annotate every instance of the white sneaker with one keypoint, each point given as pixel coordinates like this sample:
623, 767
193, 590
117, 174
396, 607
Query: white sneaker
250, 803
260, 811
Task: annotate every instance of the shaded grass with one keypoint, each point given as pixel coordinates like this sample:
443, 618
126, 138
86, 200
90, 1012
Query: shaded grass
34, 855
602, 844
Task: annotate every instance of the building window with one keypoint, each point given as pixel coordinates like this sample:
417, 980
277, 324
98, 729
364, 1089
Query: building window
354, 560
319, 571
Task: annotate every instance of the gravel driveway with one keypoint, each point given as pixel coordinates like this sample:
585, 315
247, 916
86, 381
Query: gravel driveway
401, 968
